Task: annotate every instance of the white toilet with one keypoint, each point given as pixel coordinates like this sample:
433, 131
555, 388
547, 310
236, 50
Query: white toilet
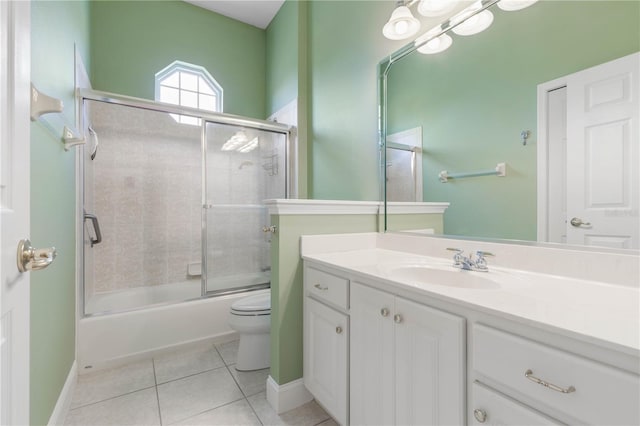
251, 318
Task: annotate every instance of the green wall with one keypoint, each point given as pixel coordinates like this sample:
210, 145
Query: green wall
345, 45
132, 40
282, 58
53, 200
474, 99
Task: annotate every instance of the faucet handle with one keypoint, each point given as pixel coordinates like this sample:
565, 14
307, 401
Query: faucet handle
482, 254
457, 257
481, 262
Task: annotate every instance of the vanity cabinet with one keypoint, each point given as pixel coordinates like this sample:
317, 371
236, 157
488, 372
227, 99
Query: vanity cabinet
407, 361
372, 356
553, 381
326, 341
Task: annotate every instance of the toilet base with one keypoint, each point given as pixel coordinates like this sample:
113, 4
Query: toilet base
254, 352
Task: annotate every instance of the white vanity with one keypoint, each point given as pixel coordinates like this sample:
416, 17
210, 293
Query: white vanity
394, 334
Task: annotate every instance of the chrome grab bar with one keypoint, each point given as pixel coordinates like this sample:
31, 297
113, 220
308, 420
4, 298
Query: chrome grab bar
96, 228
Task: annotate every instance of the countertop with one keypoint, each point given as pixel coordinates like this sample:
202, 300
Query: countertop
596, 312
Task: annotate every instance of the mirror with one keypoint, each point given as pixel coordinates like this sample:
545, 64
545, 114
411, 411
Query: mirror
495, 97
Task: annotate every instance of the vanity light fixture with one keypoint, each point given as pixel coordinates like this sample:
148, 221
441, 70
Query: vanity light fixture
475, 24
434, 8
436, 45
402, 24
512, 5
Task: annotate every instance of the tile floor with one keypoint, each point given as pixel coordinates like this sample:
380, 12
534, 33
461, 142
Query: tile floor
193, 386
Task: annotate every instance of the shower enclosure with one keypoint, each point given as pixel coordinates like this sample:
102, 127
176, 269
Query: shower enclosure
174, 211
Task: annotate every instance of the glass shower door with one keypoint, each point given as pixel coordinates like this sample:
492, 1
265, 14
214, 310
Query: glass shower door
244, 166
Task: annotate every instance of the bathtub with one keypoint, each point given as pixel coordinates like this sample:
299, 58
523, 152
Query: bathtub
112, 339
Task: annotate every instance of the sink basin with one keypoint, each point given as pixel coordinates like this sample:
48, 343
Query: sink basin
442, 275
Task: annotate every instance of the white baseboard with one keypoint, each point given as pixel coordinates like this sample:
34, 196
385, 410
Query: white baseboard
61, 409
288, 396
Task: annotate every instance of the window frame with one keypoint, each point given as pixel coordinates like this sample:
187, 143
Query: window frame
197, 70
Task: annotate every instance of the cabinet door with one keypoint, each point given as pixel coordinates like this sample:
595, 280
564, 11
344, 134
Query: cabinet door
372, 348
430, 366
326, 334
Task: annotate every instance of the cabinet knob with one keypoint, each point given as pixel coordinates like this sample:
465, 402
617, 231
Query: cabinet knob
397, 318
480, 415
384, 312
339, 330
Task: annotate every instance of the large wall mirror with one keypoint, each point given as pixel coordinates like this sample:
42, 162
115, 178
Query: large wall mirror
543, 90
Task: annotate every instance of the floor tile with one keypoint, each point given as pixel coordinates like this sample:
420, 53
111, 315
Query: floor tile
237, 413
117, 381
179, 364
137, 408
229, 351
250, 382
193, 395
309, 414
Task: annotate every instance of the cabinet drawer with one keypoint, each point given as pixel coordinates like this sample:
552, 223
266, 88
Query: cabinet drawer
325, 286
500, 410
602, 395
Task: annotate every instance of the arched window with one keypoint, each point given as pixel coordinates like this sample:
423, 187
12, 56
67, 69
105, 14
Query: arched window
188, 85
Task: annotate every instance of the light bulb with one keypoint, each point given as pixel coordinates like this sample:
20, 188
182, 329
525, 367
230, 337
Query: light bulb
401, 27
475, 24
436, 45
512, 5
434, 8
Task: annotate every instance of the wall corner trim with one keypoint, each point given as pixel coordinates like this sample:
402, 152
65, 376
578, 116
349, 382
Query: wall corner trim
288, 396
63, 404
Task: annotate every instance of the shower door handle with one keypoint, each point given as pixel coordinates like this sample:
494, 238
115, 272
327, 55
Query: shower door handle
96, 228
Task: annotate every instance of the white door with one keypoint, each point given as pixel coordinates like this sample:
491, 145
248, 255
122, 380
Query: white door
430, 366
371, 393
326, 334
603, 154
14, 210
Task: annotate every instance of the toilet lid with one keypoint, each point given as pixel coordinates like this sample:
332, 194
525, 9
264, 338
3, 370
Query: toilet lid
259, 302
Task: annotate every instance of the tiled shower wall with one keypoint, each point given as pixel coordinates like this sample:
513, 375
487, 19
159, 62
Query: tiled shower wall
147, 194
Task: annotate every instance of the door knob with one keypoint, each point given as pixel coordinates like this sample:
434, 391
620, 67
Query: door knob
577, 222
31, 259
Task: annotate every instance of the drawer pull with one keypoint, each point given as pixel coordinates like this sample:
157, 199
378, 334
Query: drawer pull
319, 287
529, 375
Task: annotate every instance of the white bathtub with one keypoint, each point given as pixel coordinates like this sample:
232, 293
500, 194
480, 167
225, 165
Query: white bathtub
106, 340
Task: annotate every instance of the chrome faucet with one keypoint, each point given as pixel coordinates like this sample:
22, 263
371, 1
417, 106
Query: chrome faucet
467, 263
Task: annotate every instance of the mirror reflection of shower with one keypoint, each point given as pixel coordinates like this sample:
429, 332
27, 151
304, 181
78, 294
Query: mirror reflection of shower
159, 210
404, 166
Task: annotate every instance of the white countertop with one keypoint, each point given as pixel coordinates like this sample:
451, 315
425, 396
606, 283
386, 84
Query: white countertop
592, 311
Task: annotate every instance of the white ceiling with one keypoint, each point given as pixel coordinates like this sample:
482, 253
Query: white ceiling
258, 13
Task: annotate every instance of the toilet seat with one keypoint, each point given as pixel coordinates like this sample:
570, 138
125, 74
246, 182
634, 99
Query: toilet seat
253, 305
